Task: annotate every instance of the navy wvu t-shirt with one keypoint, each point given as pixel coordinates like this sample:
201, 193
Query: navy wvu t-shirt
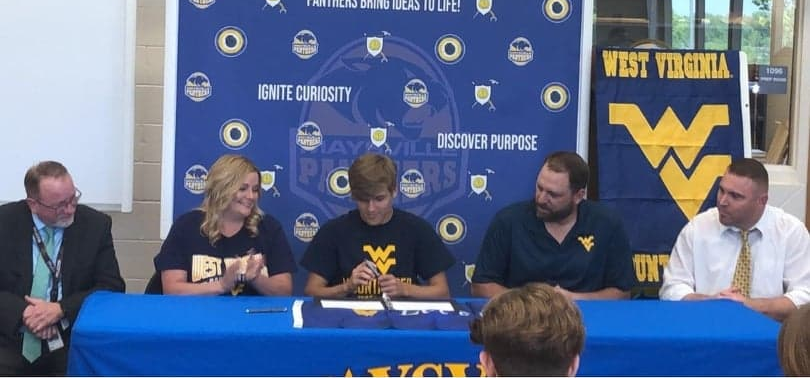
186, 248
406, 247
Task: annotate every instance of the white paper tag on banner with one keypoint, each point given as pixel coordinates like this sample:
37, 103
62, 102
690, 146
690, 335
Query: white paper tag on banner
56, 342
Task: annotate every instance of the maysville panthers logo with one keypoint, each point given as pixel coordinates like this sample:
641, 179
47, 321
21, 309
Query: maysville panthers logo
416, 93
305, 44
309, 136
194, 179
197, 87
520, 51
412, 183
306, 226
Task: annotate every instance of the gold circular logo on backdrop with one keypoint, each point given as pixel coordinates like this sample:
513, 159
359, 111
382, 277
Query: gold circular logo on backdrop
235, 134
231, 41
449, 48
555, 97
338, 181
557, 10
451, 228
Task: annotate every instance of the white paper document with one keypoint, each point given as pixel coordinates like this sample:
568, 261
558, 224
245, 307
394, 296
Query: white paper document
395, 304
352, 305
422, 306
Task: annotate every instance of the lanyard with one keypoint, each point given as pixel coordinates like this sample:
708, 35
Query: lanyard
55, 269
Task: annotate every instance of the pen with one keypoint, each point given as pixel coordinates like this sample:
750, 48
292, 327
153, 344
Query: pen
387, 302
265, 310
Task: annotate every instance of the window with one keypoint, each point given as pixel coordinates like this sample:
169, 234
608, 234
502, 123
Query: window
763, 29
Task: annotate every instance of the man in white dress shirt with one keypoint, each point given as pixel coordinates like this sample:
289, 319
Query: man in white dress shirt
710, 259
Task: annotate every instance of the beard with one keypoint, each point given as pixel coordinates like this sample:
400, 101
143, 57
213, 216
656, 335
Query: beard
64, 223
547, 215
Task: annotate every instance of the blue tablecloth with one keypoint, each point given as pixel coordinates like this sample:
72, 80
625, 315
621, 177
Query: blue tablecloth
124, 334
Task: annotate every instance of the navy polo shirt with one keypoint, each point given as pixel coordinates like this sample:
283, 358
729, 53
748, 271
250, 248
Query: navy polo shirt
517, 249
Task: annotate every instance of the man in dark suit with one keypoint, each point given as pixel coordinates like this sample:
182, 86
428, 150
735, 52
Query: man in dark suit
53, 253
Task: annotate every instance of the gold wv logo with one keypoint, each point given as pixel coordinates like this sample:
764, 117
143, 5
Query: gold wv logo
381, 257
587, 242
689, 193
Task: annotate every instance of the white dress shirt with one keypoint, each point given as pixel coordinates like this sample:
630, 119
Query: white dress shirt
705, 255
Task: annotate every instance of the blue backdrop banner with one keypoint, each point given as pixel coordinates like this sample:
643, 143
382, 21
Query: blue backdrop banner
467, 97
669, 122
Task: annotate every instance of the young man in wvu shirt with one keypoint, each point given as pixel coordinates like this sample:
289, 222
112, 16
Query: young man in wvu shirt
410, 257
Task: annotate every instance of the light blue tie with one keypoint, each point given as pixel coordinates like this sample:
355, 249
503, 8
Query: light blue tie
32, 345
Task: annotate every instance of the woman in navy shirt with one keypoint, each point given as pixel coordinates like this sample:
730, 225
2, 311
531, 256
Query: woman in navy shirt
227, 245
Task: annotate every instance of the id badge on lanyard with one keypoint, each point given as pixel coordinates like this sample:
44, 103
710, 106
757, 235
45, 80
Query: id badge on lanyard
56, 342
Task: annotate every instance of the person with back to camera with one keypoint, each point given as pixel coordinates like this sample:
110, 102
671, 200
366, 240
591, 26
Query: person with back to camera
227, 245
376, 249
793, 344
532, 330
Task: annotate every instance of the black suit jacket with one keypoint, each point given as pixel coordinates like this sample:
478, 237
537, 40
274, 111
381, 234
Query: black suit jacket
88, 264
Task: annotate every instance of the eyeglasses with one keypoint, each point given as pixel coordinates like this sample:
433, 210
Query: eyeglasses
62, 206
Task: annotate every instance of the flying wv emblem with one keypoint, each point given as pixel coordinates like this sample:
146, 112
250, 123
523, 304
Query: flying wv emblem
689, 193
587, 242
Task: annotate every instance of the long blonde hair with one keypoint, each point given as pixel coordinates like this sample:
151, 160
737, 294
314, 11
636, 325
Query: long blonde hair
221, 185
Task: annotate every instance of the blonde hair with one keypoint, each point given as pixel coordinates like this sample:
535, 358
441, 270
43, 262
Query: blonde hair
221, 185
793, 345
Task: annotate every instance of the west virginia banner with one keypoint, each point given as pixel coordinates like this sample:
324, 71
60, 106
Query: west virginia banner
669, 122
466, 96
